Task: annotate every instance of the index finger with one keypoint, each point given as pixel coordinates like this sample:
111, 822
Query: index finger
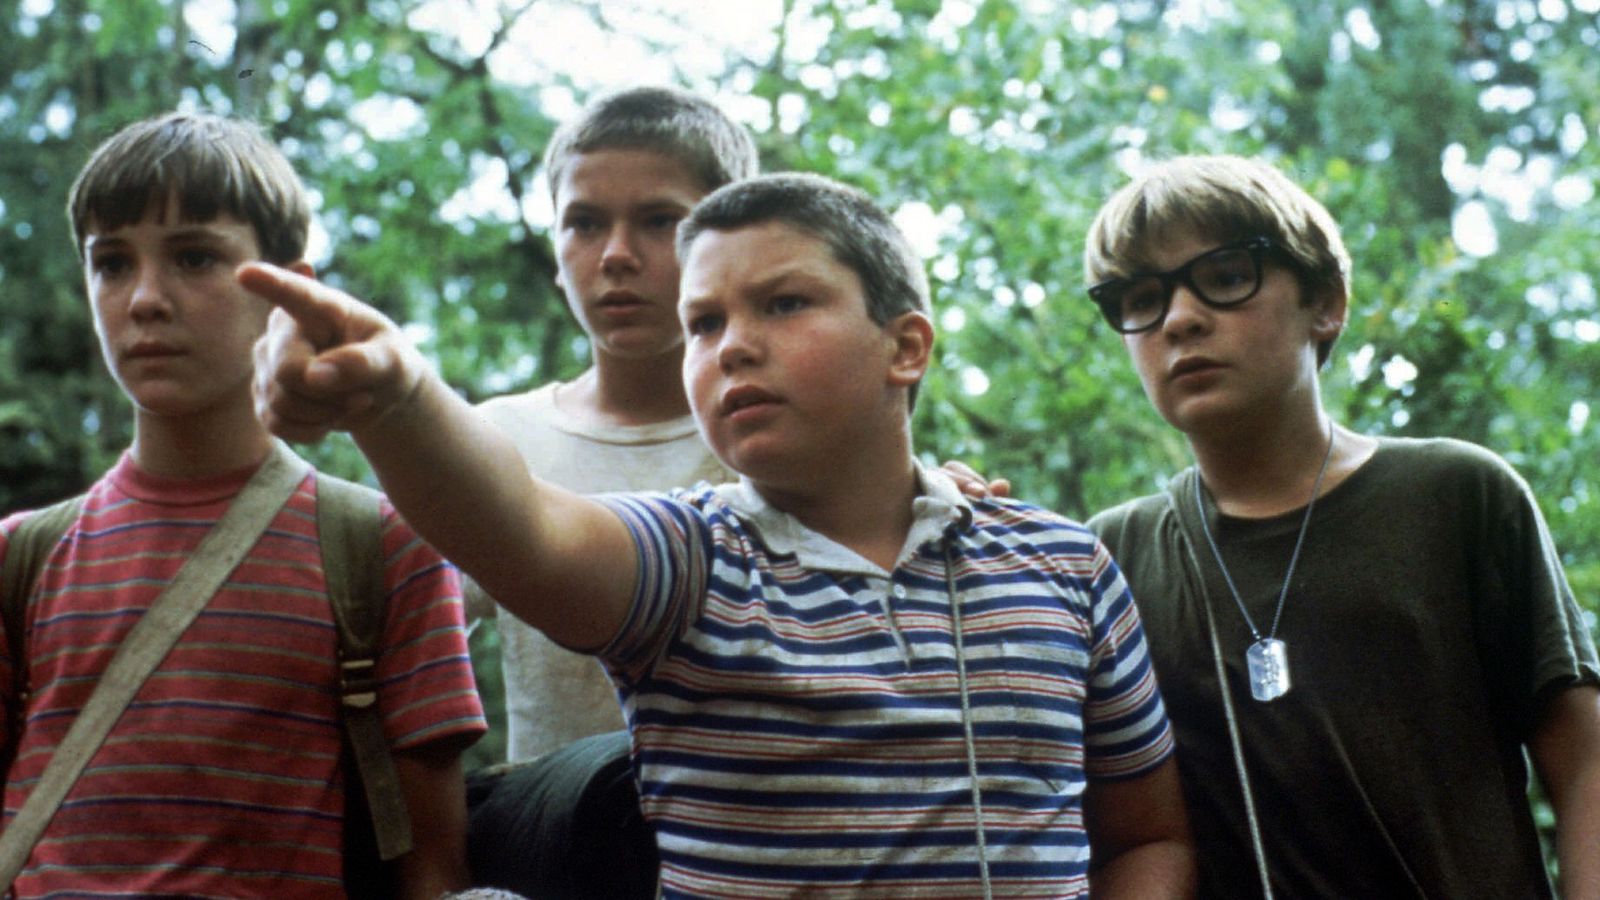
320, 311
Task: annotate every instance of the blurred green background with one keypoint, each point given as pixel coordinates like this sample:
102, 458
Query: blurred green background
1456, 141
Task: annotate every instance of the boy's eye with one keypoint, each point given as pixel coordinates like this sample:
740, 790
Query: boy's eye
109, 264
195, 259
583, 224
1226, 277
787, 303
704, 324
1143, 295
667, 221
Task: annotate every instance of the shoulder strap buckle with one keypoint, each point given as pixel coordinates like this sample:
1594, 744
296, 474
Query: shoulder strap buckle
358, 684
350, 530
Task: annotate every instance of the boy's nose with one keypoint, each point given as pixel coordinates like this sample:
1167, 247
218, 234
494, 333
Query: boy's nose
739, 347
618, 256
1185, 312
149, 298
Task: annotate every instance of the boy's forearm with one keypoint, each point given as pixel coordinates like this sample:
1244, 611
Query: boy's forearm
1566, 752
454, 477
432, 782
529, 544
1155, 871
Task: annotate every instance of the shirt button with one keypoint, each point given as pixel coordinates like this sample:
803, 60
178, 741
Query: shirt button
899, 591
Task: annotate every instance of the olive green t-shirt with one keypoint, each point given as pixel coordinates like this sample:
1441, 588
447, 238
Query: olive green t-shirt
1428, 621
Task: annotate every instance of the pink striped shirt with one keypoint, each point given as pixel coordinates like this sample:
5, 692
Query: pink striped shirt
223, 777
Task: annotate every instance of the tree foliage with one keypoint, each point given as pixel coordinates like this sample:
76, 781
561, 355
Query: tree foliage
995, 129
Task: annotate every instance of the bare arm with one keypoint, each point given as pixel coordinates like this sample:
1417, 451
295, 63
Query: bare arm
1139, 837
1566, 752
431, 779
329, 362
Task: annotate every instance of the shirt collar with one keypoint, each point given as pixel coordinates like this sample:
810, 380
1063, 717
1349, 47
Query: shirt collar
938, 506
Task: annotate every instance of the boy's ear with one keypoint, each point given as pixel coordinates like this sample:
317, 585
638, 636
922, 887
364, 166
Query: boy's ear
1332, 312
912, 336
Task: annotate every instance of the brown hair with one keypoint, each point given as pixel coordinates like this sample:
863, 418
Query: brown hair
859, 233
674, 123
206, 164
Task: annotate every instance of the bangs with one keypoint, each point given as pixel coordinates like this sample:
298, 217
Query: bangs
200, 181
177, 201
189, 170
1165, 211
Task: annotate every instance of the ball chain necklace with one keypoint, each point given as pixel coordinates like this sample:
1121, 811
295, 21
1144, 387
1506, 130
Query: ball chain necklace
1267, 660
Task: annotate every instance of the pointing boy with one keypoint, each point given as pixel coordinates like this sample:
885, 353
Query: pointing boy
841, 678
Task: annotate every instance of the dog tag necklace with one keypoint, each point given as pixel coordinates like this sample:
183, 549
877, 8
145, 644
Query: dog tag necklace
1267, 660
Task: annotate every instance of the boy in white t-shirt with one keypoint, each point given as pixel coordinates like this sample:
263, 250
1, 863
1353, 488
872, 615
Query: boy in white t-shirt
622, 174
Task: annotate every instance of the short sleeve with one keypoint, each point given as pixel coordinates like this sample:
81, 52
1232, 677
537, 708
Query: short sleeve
425, 672
1126, 732
672, 543
7, 664
1533, 603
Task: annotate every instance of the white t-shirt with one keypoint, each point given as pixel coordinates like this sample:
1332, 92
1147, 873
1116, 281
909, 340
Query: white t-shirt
555, 696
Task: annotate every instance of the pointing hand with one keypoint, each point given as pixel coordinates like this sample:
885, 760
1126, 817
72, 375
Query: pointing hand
327, 362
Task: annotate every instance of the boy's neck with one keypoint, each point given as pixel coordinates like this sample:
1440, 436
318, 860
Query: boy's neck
1255, 473
867, 509
185, 448
627, 391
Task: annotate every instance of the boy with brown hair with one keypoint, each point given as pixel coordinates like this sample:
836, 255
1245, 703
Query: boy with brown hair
841, 677
563, 820
224, 775
622, 174
1357, 636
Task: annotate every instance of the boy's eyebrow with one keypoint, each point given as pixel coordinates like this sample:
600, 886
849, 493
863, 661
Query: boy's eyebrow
183, 233
649, 204
687, 305
92, 239
197, 232
793, 271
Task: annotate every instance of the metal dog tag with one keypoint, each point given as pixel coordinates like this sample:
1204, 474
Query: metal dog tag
1268, 662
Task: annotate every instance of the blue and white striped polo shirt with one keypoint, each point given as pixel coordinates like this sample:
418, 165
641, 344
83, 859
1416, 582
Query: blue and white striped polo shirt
796, 710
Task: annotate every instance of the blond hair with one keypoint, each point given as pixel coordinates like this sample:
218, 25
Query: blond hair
1222, 198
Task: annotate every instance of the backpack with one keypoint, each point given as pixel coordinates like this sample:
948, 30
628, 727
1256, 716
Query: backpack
377, 827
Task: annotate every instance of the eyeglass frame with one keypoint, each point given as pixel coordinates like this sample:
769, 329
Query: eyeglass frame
1258, 246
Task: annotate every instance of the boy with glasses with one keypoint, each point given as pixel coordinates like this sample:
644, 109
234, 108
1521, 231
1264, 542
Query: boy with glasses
1389, 616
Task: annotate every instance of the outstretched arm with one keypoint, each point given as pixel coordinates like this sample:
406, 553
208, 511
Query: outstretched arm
331, 363
1139, 837
1566, 753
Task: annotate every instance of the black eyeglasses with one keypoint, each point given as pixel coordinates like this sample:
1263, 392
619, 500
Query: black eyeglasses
1221, 278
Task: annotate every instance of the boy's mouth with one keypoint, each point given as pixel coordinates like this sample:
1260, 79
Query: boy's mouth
744, 397
152, 349
1191, 364
620, 300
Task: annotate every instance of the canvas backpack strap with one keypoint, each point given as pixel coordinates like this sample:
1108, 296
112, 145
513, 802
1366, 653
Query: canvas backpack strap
27, 550
1180, 487
147, 644
350, 529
